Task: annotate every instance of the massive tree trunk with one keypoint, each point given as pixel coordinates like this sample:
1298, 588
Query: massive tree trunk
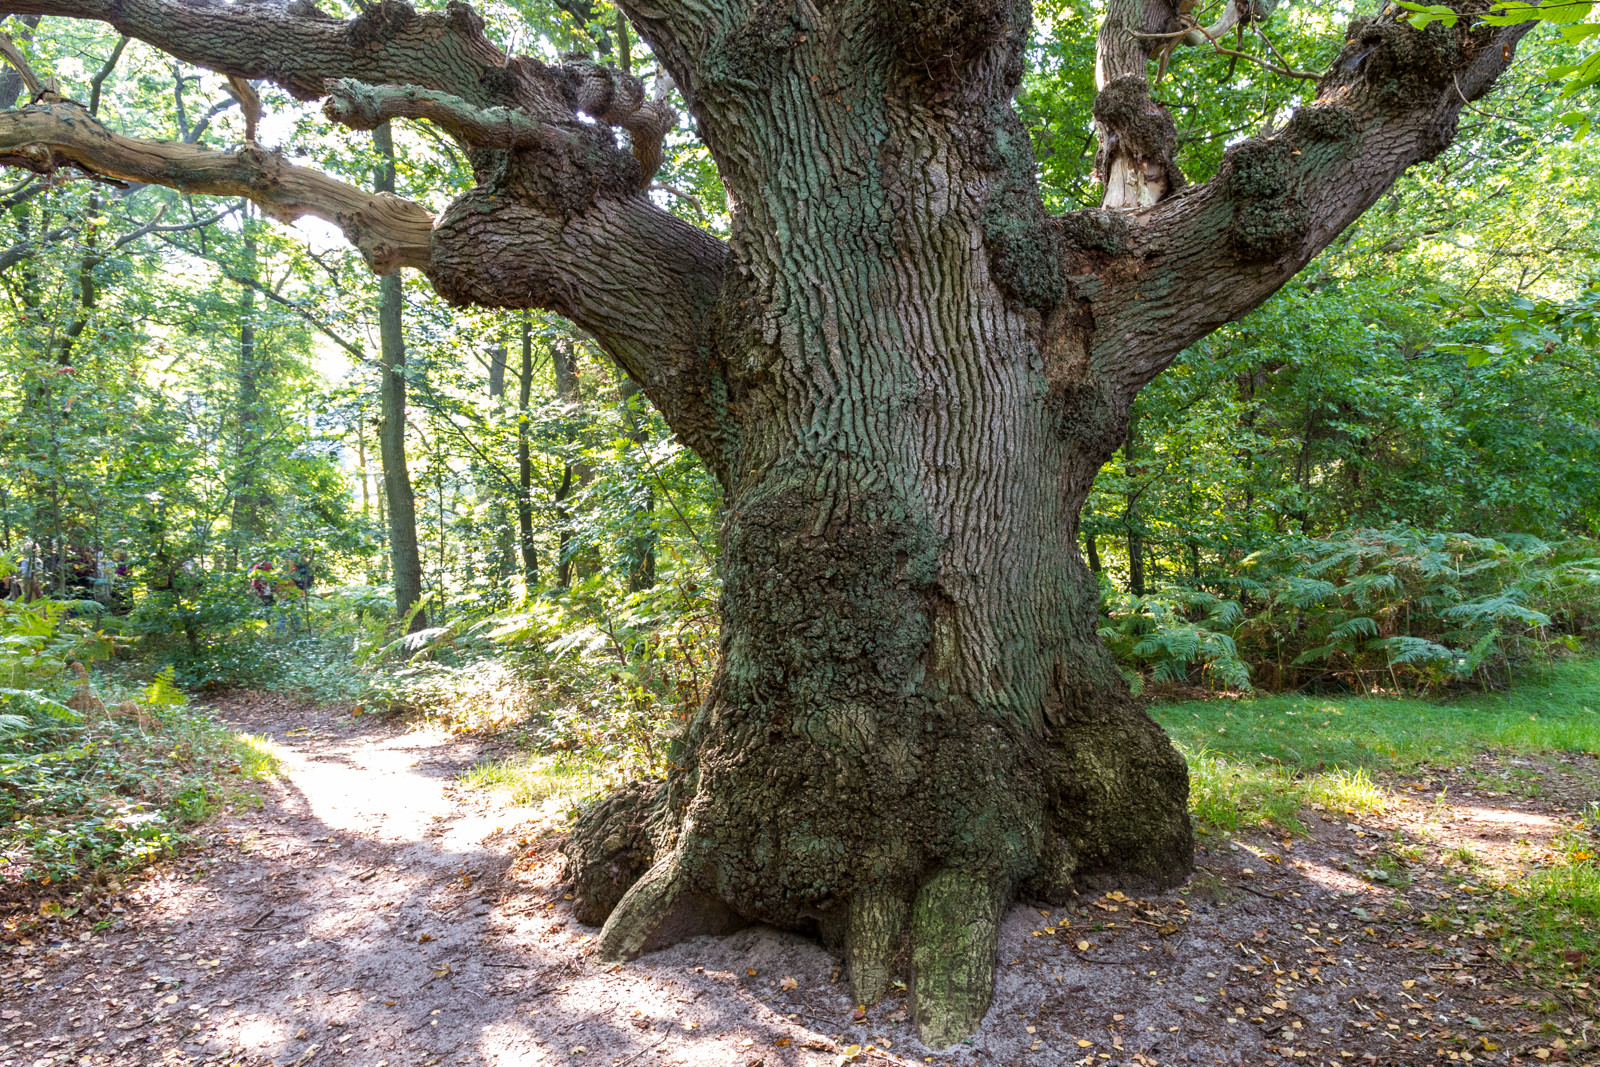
905, 376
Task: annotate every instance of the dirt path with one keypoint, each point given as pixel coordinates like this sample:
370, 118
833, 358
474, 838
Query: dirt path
372, 915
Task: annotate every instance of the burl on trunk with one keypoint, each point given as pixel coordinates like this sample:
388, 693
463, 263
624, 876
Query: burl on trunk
904, 373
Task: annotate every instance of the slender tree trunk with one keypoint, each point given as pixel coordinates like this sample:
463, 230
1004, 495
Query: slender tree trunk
245, 518
361, 458
1132, 520
405, 558
640, 549
574, 475
530, 552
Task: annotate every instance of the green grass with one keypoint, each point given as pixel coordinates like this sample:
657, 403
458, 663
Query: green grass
535, 779
1556, 708
1550, 913
258, 756
1258, 761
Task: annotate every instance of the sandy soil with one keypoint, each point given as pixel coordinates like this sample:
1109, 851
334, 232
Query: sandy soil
373, 914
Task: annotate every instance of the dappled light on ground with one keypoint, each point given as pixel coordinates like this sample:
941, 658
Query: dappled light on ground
389, 905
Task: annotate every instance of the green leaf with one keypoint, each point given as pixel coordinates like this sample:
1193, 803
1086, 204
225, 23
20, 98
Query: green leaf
1426, 13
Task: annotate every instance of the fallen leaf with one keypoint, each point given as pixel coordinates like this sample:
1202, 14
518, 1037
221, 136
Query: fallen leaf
1083, 946
423, 939
783, 1042
751, 971
788, 983
852, 1051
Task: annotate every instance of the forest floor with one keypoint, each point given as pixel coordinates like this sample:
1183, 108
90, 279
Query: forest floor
374, 912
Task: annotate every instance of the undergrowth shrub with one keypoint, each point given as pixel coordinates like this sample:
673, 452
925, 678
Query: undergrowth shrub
1363, 609
583, 669
96, 780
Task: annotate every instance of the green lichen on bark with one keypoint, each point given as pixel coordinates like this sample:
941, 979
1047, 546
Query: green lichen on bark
1023, 258
752, 50
1323, 122
955, 928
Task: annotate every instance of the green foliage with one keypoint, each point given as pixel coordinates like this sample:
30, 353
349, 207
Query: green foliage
1367, 608
84, 788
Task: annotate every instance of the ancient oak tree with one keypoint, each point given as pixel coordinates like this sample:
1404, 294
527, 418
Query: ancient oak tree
904, 372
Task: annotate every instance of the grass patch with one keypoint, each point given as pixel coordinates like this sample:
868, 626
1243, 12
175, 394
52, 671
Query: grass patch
1259, 761
257, 756
1556, 708
536, 779
1552, 918
1231, 795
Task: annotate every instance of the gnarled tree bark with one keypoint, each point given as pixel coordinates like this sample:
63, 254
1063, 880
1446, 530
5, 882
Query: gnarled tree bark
905, 375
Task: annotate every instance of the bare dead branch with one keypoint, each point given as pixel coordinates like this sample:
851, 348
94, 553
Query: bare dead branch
36, 86
249, 103
389, 231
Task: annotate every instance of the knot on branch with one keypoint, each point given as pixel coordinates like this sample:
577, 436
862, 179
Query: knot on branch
495, 251
31, 157
382, 21
608, 95
1138, 131
1396, 63
1269, 216
942, 37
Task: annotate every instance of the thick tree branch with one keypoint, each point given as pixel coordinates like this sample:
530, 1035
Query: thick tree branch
365, 107
1157, 280
390, 232
642, 282
299, 48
